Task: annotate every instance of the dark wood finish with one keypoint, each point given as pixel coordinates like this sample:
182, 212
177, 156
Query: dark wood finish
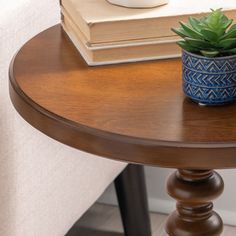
132, 112
194, 191
131, 193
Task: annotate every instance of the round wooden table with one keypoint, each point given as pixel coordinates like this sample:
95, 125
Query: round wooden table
130, 112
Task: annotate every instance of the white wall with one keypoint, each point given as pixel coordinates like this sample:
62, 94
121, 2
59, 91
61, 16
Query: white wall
159, 201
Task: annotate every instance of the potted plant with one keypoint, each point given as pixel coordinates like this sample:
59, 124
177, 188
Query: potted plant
209, 58
139, 3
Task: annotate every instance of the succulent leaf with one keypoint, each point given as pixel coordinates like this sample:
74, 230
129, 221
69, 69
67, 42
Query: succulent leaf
213, 19
181, 32
193, 33
201, 44
230, 34
227, 24
231, 51
195, 23
187, 47
232, 28
209, 53
228, 43
209, 34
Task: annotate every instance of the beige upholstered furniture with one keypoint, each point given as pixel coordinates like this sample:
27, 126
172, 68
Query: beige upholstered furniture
44, 186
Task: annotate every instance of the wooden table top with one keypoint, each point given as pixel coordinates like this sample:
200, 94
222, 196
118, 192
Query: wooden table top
134, 112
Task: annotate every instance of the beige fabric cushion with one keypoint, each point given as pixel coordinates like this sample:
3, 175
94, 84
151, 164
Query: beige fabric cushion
45, 186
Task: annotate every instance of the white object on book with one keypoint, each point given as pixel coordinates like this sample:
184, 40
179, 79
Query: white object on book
139, 3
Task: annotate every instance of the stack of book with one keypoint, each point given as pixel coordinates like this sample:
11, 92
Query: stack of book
108, 34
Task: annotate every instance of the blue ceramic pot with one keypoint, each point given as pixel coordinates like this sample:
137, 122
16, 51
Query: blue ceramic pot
209, 81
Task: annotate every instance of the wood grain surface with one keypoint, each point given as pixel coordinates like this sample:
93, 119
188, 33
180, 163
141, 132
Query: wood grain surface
132, 112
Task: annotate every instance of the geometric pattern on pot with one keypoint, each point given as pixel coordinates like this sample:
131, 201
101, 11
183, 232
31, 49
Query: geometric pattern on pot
209, 65
210, 96
209, 80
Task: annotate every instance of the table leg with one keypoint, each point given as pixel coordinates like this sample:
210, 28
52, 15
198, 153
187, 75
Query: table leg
132, 197
194, 190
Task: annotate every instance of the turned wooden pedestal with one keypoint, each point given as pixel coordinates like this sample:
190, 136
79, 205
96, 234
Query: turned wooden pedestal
130, 112
194, 191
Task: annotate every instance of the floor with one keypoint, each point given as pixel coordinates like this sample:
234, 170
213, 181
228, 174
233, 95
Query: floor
104, 220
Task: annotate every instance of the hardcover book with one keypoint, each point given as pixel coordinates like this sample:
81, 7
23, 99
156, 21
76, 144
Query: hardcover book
101, 21
120, 52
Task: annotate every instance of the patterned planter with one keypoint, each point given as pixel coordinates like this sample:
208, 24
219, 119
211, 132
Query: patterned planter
209, 81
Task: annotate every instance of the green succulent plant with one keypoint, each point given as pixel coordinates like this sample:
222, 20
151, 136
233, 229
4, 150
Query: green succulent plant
210, 36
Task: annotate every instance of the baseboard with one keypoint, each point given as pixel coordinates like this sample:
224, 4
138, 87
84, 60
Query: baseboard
167, 206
